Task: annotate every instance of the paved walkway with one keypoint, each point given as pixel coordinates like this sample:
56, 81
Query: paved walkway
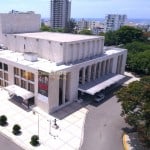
104, 127
7, 144
67, 137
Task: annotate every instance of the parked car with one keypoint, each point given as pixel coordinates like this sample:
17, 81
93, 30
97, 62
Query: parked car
99, 97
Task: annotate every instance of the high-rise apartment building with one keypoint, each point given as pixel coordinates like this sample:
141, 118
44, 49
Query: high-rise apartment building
60, 13
113, 22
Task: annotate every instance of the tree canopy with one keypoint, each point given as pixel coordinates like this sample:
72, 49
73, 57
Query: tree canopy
86, 32
138, 60
70, 28
124, 35
128, 34
135, 102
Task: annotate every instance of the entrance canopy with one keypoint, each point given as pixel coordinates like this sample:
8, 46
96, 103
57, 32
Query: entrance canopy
98, 85
20, 92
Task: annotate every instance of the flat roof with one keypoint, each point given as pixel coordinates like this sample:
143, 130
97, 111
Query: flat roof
43, 64
98, 85
59, 37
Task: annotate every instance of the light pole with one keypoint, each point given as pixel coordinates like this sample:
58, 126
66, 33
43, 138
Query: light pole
34, 112
49, 126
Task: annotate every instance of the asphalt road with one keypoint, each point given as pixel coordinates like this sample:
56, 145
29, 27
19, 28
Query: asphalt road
104, 127
7, 144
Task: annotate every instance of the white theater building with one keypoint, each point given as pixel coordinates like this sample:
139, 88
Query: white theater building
51, 68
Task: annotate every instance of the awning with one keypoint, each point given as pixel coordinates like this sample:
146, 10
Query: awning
14, 89
98, 85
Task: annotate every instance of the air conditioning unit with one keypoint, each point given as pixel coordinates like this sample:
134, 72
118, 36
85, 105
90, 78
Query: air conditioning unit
30, 56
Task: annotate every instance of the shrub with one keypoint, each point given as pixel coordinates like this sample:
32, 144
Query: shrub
16, 129
3, 120
34, 140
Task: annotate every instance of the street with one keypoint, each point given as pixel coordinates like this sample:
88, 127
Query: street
104, 126
7, 144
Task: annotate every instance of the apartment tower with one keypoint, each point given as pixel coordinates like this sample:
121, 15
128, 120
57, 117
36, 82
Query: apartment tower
60, 13
113, 22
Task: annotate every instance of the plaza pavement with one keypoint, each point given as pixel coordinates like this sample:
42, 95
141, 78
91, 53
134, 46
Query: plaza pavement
69, 119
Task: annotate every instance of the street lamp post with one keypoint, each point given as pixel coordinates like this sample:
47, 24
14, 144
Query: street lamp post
49, 126
34, 112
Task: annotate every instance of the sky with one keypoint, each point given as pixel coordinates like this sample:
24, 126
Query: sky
83, 8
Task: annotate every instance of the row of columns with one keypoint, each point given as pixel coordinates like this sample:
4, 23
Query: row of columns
95, 71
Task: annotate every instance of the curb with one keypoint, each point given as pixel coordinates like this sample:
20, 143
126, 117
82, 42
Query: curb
125, 144
82, 132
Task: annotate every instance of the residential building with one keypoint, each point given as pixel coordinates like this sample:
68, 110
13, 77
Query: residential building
82, 24
113, 22
49, 70
60, 13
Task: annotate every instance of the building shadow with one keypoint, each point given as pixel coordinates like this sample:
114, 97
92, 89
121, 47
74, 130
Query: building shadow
70, 109
87, 99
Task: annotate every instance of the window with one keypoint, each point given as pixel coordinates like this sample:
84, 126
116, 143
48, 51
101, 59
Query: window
16, 71
16, 81
5, 67
23, 74
30, 76
1, 74
31, 87
1, 65
6, 76
1, 82
23, 84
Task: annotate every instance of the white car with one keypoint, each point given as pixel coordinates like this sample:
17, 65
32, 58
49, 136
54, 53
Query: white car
99, 97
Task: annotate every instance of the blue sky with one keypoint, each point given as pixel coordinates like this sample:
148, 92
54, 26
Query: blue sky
84, 8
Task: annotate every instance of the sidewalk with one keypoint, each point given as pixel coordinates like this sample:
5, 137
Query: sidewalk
67, 137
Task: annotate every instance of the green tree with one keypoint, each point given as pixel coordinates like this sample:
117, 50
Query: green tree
44, 27
128, 34
86, 32
135, 102
110, 38
70, 26
139, 62
135, 47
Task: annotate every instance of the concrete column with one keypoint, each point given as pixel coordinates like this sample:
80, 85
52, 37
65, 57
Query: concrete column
114, 67
89, 73
118, 64
99, 70
83, 76
10, 74
73, 85
124, 62
64, 88
94, 73
53, 97
108, 65
121, 64
104, 65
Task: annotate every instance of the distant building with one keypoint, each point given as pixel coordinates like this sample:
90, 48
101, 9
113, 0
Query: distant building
82, 24
19, 23
113, 22
20, 12
60, 13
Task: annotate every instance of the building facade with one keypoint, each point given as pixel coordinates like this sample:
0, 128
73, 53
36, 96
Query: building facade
54, 68
113, 22
19, 23
60, 13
